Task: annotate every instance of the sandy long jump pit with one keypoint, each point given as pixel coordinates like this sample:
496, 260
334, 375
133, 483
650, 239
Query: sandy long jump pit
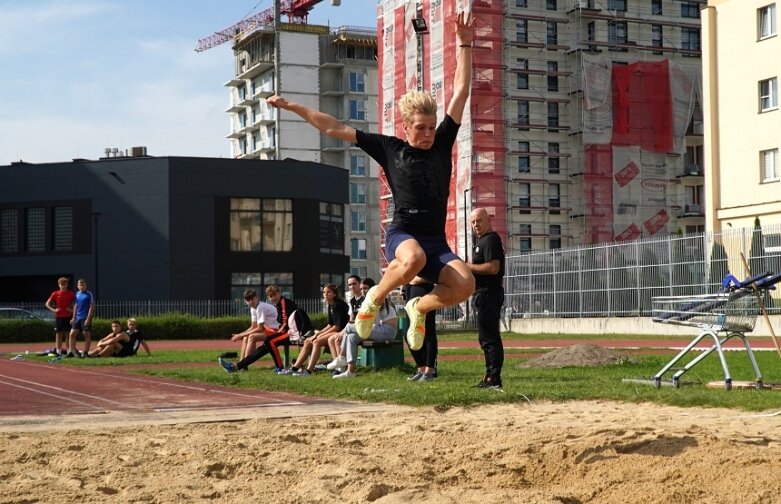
572, 452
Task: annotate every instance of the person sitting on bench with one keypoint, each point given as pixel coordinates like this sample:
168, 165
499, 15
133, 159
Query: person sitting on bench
386, 326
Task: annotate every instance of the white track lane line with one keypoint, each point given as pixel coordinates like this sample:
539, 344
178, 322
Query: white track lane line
51, 394
143, 380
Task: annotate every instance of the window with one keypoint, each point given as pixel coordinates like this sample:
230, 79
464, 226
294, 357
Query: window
357, 110
361, 271
357, 249
525, 244
357, 220
261, 225
521, 33
592, 35
245, 225
656, 37
553, 76
357, 82
524, 162
616, 34
554, 230
766, 20
552, 33
357, 165
357, 192
277, 225
523, 112
553, 115
35, 230
331, 235
9, 231
656, 7
690, 10
553, 157
525, 231
524, 201
551, 4
690, 39
522, 81
768, 94
62, 229
554, 198
617, 5
258, 281
692, 160
521, 3
769, 161
243, 120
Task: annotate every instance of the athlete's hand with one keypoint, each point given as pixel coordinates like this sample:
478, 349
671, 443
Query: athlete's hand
277, 101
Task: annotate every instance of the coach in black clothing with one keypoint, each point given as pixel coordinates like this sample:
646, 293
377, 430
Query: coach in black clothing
488, 267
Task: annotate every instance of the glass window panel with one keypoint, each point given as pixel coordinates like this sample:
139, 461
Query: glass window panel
62, 224
9, 232
35, 230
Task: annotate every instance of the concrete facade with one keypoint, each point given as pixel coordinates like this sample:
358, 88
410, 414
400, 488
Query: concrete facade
741, 68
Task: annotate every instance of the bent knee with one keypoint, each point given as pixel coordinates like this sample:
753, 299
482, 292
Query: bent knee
413, 261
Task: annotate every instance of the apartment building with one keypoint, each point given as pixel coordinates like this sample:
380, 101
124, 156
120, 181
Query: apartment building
585, 124
741, 68
332, 70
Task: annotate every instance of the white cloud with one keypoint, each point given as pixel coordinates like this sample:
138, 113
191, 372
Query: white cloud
29, 25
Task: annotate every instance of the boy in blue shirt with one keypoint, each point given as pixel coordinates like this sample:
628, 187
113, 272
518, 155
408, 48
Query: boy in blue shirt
82, 320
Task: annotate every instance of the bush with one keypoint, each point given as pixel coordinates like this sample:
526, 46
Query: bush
173, 326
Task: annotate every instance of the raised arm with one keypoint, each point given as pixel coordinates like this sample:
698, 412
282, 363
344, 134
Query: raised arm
463, 77
326, 123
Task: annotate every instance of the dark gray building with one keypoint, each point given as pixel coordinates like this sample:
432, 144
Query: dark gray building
171, 228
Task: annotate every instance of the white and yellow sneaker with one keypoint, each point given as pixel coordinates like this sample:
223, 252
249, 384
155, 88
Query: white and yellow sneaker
416, 332
364, 319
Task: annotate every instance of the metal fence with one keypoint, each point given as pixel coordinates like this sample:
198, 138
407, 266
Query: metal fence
608, 280
620, 279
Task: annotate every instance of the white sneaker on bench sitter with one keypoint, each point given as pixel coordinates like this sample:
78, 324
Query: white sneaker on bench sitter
339, 362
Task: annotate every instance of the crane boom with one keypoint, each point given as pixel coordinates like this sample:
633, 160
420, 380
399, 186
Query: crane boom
296, 10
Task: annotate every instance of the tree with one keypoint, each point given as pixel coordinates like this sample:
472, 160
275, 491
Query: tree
756, 258
719, 268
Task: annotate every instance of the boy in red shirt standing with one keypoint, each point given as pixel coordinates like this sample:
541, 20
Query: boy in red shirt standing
61, 304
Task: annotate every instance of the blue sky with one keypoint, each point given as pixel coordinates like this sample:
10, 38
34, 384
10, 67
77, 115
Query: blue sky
77, 76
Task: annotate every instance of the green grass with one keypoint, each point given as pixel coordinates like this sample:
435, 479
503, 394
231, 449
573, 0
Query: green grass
455, 335
455, 386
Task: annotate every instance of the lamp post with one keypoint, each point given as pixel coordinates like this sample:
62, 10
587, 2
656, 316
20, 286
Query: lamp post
277, 76
466, 250
420, 27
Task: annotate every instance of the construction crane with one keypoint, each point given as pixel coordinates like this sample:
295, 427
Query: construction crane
296, 11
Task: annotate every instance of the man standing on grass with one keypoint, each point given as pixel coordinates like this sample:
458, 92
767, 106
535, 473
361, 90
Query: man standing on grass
488, 268
61, 304
82, 320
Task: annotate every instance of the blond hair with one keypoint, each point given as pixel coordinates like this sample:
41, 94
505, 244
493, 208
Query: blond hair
416, 102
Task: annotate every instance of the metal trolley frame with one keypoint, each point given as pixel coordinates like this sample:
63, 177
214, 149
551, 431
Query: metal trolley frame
721, 316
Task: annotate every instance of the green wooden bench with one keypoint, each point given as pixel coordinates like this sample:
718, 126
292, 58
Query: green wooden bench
377, 354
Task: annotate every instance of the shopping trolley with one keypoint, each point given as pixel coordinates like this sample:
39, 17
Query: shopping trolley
721, 316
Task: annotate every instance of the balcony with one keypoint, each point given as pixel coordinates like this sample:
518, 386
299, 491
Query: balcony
691, 210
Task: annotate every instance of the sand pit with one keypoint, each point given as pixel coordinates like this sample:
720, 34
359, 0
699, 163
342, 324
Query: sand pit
575, 452
577, 355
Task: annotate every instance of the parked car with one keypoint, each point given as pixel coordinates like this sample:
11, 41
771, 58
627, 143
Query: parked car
17, 314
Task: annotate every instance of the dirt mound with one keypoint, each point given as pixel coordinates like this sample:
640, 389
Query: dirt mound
577, 355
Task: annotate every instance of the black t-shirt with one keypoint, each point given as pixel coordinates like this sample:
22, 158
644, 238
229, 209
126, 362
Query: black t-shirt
489, 248
338, 313
419, 179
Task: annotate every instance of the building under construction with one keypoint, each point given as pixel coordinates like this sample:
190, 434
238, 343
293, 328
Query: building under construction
329, 69
584, 122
